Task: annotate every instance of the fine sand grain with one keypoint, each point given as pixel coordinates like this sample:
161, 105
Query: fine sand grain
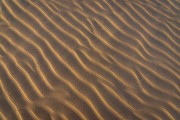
90, 60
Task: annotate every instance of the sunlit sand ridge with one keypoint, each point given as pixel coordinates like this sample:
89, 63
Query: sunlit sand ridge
89, 60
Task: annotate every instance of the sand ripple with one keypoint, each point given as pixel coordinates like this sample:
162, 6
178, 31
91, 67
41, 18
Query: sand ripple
89, 59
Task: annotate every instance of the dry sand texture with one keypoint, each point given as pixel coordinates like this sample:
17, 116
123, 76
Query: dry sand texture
90, 60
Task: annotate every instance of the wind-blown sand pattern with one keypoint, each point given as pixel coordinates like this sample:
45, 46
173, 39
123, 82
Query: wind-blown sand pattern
90, 60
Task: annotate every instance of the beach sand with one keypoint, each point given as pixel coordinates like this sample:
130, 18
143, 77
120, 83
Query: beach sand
90, 60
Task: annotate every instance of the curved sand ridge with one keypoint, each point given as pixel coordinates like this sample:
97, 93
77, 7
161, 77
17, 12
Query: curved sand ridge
89, 59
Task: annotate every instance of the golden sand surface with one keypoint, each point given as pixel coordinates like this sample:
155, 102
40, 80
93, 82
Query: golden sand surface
90, 60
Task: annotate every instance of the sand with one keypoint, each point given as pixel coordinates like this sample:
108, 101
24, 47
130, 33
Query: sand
90, 60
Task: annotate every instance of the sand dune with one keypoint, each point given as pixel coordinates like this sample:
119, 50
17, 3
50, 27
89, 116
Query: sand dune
90, 60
